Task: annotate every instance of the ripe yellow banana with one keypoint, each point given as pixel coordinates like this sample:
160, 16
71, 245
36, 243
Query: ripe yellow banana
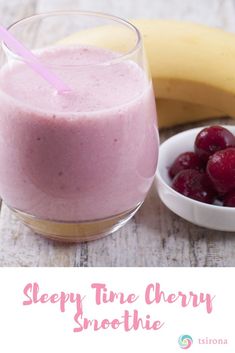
191, 66
192, 63
173, 112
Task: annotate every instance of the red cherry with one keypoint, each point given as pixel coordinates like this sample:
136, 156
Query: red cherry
193, 184
221, 170
186, 160
229, 199
211, 140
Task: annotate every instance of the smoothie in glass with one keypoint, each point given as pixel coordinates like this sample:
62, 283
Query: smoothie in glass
86, 156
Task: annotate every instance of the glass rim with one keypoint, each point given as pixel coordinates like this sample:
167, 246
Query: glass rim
137, 46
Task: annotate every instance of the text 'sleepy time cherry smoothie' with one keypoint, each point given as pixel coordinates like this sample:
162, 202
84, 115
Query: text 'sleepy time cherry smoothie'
80, 156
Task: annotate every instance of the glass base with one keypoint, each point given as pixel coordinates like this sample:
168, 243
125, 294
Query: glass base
75, 231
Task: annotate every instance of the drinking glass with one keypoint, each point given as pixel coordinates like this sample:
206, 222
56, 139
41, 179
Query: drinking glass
77, 166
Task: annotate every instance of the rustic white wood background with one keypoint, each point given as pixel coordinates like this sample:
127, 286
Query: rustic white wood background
155, 237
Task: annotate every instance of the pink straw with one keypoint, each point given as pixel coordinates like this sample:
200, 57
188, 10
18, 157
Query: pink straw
33, 61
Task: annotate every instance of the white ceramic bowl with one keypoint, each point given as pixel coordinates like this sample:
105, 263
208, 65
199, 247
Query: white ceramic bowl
205, 215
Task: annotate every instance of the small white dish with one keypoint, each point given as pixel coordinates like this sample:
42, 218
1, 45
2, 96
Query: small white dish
202, 214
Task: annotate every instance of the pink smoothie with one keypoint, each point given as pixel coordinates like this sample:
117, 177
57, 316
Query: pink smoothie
83, 156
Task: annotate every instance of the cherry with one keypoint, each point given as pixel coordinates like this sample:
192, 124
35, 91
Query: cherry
186, 160
229, 199
211, 140
193, 184
221, 170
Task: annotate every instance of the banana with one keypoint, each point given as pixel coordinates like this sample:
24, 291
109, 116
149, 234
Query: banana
172, 112
192, 63
191, 66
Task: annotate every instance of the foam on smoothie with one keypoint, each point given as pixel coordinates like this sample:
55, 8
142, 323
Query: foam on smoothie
95, 84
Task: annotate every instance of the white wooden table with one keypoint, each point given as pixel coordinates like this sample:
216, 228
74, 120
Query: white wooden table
155, 237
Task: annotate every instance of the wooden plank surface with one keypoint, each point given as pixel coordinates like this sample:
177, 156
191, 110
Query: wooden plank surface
155, 237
